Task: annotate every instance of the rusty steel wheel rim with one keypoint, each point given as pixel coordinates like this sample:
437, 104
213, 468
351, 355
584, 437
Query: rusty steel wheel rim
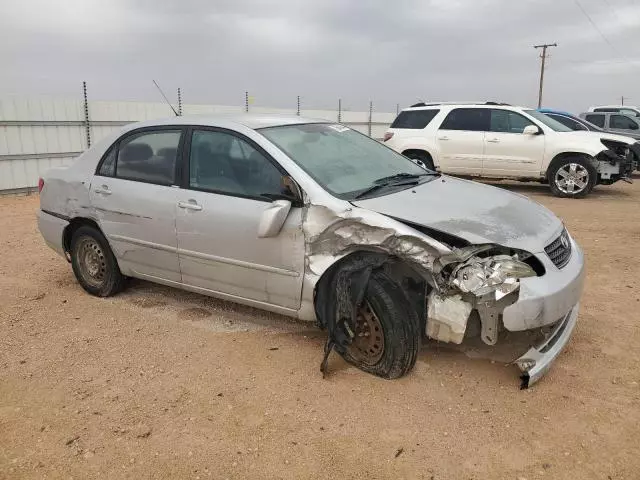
368, 343
92, 261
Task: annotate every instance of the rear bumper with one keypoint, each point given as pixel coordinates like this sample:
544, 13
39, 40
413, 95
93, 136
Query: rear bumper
537, 361
52, 229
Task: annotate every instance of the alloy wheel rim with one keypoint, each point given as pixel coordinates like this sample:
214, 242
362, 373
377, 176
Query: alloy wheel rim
572, 178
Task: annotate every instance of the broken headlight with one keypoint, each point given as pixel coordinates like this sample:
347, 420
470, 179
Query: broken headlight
498, 274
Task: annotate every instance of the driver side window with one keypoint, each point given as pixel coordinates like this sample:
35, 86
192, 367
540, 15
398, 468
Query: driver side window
223, 163
506, 121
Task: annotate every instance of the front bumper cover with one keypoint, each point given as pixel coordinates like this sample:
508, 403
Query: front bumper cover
537, 360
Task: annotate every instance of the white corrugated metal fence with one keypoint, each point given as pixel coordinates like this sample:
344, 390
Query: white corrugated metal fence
37, 133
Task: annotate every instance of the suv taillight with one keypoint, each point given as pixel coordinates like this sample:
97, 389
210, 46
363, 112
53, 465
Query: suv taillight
40, 184
387, 136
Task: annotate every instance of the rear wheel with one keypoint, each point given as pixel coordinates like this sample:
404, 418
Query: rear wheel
94, 264
421, 158
387, 333
572, 177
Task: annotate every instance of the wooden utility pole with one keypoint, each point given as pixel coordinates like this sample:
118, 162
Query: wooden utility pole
543, 58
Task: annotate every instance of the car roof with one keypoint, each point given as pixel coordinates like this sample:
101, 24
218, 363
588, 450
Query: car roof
250, 120
433, 105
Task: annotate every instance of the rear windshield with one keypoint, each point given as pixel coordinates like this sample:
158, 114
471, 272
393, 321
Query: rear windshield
415, 119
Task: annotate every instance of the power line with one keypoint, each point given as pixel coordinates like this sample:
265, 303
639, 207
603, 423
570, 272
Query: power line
579, 5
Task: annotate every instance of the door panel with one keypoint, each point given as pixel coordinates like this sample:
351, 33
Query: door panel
139, 222
219, 249
461, 140
461, 152
134, 200
218, 217
508, 151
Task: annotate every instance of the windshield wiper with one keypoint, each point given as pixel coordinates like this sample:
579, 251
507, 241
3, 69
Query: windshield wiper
396, 180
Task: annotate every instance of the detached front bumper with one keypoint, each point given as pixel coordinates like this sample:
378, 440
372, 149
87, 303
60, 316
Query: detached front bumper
537, 361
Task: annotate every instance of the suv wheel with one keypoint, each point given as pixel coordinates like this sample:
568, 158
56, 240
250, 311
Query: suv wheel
421, 158
572, 177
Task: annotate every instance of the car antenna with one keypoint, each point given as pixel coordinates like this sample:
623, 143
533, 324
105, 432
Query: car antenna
165, 98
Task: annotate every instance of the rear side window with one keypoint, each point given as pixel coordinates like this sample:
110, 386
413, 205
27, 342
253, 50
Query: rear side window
569, 122
470, 119
606, 109
414, 119
148, 157
623, 122
595, 119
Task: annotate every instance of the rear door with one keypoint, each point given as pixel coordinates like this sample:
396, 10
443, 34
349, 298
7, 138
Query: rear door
134, 196
460, 140
508, 151
227, 190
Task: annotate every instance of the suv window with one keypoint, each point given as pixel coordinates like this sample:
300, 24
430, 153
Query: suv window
415, 119
606, 109
145, 157
506, 121
623, 122
569, 122
224, 163
630, 113
470, 119
595, 119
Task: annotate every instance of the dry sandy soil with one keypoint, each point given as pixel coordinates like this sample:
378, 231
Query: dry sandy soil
158, 383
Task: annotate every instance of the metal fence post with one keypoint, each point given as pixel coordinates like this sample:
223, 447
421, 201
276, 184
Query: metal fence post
298, 113
397, 109
179, 102
246, 102
339, 110
87, 125
370, 116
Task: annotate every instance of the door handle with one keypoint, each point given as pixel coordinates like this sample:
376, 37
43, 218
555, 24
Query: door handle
190, 205
493, 140
104, 190
443, 138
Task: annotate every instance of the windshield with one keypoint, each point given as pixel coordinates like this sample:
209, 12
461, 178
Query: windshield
343, 161
548, 121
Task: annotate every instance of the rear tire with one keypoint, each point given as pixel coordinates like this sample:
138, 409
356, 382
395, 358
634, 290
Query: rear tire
421, 158
572, 177
94, 264
391, 347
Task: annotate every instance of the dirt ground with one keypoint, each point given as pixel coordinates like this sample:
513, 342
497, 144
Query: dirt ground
159, 383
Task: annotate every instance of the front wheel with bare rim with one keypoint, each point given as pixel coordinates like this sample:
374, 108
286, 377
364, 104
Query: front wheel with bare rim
387, 332
572, 177
93, 263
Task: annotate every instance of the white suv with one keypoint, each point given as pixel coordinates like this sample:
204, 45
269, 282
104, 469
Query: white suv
499, 141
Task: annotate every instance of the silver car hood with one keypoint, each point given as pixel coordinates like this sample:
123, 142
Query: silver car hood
472, 211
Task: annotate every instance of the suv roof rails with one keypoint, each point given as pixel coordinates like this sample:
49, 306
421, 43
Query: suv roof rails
435, 104
497, 103
419, 104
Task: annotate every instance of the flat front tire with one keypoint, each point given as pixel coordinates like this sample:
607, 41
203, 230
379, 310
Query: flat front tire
387, 333
94, 264
572, 177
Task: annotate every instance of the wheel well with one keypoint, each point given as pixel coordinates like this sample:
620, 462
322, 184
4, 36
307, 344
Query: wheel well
417, 151
562, 156
70, 229
414, 286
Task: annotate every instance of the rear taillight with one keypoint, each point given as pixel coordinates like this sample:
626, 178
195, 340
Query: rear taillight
387, 136
40, 184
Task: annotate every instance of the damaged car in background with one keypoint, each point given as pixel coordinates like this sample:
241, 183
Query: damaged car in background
316, 221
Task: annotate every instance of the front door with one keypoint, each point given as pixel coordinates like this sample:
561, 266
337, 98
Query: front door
460, 140
230, 184
133, 196
508, 152
624, 124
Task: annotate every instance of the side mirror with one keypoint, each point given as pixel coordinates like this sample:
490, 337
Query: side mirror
531, 130
273, 218
291, 187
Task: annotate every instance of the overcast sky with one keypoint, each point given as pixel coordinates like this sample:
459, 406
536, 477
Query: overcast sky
386, 51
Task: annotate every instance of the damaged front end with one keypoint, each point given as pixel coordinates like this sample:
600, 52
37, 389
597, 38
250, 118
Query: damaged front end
444, 284
616, 163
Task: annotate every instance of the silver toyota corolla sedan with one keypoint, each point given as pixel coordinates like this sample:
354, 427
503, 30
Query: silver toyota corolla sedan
314, 220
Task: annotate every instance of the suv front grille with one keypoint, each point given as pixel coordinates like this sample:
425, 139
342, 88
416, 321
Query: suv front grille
559, 251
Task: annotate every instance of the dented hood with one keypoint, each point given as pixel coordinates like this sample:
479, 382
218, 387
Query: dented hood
473, 211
